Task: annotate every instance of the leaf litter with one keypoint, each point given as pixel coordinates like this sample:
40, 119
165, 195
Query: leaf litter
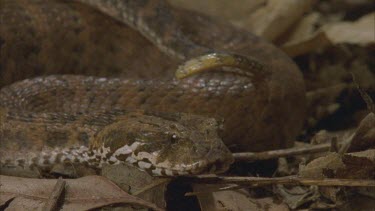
329, 40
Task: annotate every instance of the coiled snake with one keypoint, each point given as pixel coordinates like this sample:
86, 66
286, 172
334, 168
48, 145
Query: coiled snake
95, 120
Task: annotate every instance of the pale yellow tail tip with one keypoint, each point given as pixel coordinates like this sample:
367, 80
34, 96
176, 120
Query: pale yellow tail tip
247, 66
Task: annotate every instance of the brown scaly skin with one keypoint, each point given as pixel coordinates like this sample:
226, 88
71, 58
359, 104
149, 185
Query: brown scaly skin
180, 141
66, 37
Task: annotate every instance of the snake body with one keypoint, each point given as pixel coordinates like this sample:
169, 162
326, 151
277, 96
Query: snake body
262, 106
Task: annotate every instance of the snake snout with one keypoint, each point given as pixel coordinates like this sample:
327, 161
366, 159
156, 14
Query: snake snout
219, 160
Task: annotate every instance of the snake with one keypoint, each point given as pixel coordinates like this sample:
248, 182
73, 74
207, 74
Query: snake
230, 91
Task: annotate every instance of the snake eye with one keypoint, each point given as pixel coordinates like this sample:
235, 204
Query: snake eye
173, 138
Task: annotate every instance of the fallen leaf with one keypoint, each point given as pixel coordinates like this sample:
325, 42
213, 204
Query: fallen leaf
266, 18
304, 28
358, 202
234, 200
81, 194
138, 183
359, 165
335, 194
272, 20
304, 37
360, 32
233, 11
297, 195
364, 137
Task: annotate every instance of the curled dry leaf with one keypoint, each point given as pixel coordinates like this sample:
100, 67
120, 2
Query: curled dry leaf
322, 102
305, 39
359, 165
266, 18
272, 20
235, 200
357, 202
359, 32
364, 137
303, 29
80, 194
297, 196
138, 183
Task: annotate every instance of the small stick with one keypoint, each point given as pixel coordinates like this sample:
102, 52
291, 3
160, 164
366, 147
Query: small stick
254, 156
226, 188
368, 100
58, 189
290, 180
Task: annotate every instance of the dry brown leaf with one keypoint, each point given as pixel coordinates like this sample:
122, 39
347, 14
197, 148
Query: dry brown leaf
232, 11
334, 194
81, 194
314, 42
304, 29
322, 102
358, 202
361, 32
138, 183
364, 137
266, 18
314, 169
304, 39
234, 200
359, 165
276, 17
297, 195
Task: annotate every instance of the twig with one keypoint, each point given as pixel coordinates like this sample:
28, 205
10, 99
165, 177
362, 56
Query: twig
254, 156
226, 188
56, 194
368, 100
291, 180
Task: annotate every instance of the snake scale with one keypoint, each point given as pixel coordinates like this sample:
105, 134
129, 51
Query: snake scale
231, 87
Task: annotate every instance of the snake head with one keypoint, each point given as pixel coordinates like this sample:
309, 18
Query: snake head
165, 144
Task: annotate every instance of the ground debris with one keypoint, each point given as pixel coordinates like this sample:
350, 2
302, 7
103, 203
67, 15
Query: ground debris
80, 194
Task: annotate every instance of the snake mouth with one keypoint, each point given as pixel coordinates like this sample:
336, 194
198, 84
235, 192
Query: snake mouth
216, 160
201, 167
208, 165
